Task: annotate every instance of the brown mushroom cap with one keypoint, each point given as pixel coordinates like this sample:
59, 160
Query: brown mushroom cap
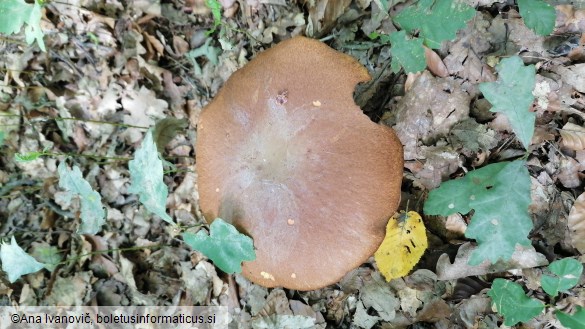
285, 155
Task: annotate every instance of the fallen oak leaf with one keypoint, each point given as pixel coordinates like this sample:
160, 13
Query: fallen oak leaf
576, 223
224, 245
573, 137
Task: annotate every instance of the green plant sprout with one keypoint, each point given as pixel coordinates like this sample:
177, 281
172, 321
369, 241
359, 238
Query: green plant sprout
511, 301
14, 14
512, 95
93, 215
224, 245
431, 22
16, 262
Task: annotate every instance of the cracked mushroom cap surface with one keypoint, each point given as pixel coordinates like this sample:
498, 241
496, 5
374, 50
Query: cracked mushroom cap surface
287, 157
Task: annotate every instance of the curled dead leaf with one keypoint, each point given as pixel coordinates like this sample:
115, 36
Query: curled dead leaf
569, 19
523, 257
410, 78
573, 137
323, 14
576, 222
456, 224
435, 63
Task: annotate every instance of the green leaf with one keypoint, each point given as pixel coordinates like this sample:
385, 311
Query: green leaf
16, 13
16, 262
224, 245
575, 321
511, 301
210, 52
538, 15
215, 7
2, 134
146, 175
567, 270
512, 95
28, 157
500, 195
93, 215
437, 20
49, 255
407, 53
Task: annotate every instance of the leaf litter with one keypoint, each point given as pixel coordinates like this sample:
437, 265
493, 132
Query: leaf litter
109, 64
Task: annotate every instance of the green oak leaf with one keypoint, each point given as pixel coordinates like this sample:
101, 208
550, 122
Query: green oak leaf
511, 301
93, 215
437, 20
16, 262
500, 195
16, 13
146, 174
407, 53
538, 16
224, 245
512, 95
567, 271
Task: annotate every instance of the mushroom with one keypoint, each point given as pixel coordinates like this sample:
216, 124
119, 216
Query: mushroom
286, 156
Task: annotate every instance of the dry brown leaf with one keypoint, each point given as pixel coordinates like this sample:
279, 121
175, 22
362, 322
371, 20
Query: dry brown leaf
276, 304
523, 257
435, 63
576, 222
427, 112
455, 223
180, 46
410, 79
568, 173
323, 14
144, 108
573, 137
573, 75
153, 42
569, 20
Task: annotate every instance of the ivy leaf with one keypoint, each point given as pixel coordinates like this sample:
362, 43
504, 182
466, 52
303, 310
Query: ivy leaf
93, 215
575, 321
16, 262
146, 174
437, 20
512, 95
538, 16
511, 301
567, 270
224, 245
403, 246
16, 13
407, 53
500, 195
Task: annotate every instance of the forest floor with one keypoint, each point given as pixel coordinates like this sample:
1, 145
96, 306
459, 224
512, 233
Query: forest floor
113, 69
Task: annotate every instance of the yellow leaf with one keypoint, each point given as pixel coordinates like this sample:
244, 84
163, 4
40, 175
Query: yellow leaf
403, 246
